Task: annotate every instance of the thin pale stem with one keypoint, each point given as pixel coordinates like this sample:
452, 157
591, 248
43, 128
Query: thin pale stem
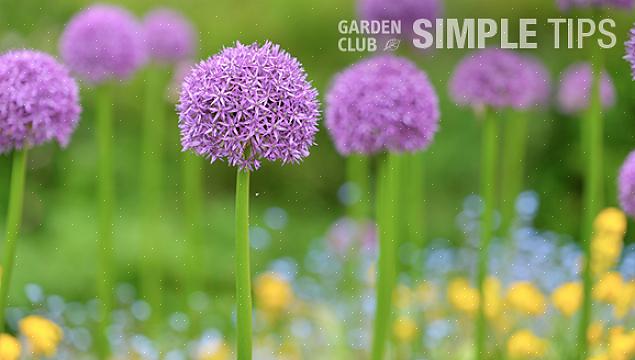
14, 221
386, 207
243, 275
488, 192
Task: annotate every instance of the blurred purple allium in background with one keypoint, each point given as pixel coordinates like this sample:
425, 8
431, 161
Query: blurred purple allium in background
406, 11
169, 37
180, 71
499, 78
39, 101
630, 50
626, 185
382, 103
615, 4
575, 89
102, 43
246, 104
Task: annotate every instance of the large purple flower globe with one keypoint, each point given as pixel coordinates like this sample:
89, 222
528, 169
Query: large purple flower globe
383, 103
575, 89
405, 11
630, 50
169, 37
499, 78
102, 43
626, 185
39, 101
247, 104
614, 4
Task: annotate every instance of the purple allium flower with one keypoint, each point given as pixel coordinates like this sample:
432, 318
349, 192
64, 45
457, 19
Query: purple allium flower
249, 103
575, 89
626, 184
615, 4
39, 101
499, 78
630, 50
382, 103
103, 42
406, 11
168, 35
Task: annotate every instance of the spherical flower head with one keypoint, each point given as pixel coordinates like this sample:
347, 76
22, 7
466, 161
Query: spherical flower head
575, 89
499, 78
630, 50
247, 104
626, 185
382, 103
406, 11
102, 43
614, 4
169, 37
39, 101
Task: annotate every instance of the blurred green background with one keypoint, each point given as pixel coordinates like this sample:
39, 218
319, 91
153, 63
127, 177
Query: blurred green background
58, 246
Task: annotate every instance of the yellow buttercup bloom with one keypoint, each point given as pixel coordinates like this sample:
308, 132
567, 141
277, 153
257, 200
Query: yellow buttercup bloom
601, 356
594, 333
404, 329
273, 293
526, 298
9, 347
610, 221
493, 299
568, 298
608, 241
462, 296
608, 288
523, 344
625, 300
621, 344
42, 335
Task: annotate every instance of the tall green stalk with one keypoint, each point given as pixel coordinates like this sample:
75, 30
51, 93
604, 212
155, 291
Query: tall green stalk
243, 275
358, 173
105, 214
14, 221
150, 189
593, 134
386, 207
513, 158
416, 204
488, 192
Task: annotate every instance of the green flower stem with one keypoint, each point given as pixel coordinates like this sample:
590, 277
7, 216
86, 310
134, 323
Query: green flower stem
488, 192
513, 158
243, 275
358, 173
150, 191
14, 220
593, 136
105, 189
386, 207
416, 203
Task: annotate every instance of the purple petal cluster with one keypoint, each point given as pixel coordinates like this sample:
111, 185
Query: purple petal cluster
630, 50
406, 11
382, 103
575, 89
614, 4
169, 37
246, 104
499, 79
626, 185
102, 43
39, 101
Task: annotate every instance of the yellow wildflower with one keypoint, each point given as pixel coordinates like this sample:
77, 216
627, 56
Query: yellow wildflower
611, 221
42, 335
526, 298
493, 300
273, 293
594, 333
625, 300
523, 344
404, 329
9, 347
462, 296
621, 344
601, 356
567, 298
608, 288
